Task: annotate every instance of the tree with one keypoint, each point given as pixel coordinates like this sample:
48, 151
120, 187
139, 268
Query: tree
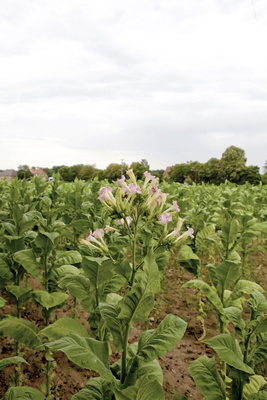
48, 171
250, 174
139, 168
65, 173
232, 163
265, 168
180, 172
24, 172
114, 171
87, 172
56, 168
158, 173
211, 172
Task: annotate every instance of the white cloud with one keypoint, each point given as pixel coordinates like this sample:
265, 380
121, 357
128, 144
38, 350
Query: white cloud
163, 80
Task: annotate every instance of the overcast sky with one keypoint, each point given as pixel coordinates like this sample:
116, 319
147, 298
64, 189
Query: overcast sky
95, 82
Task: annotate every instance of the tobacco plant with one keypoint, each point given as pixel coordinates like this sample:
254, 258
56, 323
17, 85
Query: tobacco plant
141, 214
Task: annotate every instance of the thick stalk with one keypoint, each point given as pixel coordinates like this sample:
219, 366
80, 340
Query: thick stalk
124, 353
46, 273
17, 368
48, 357
48, 375
133, 254
74, 315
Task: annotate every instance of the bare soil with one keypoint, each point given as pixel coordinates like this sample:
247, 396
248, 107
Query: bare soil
178, 384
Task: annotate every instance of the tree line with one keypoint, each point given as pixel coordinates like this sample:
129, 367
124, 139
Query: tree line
231, 167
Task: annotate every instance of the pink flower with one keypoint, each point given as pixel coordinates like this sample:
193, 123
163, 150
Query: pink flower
153, 189
120, 221
165, 218
105, 193
120, 181
110, 229
98, 233
129, 220
190, 232
148, 177
89, 237
173, 207
125, 190
92, 237
176, 231
135, 189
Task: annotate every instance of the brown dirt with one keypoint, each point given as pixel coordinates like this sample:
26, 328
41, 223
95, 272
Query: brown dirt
178, 384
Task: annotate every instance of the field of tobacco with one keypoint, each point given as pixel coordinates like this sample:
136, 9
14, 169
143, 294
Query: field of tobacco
132, 290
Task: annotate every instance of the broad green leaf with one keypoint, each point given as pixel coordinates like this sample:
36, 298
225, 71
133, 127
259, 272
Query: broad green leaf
162, 256
243, 287
64, 270
98, 270
21, 330
19, 294
11, 360
14, 243
9, 228
261, 326
137, 304
110, 312
228, 350
234, 315
23, 393
86, 352
28, 220
144, 389
28, 260
78, 285
253, 387
259, 351
68, 257
257, 302
213, 274
115, 284
155, 342
2, 302
204, 238
63, 327
207, 378
49, 300
46, 240
5, 272
229, 233
95, 389
113, 298
152, 369
210, 293
234, 303
228, 273
81, 224
188, 260
124, 268
139, 301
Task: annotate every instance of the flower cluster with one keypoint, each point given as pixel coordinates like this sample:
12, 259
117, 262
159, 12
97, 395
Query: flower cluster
150, 201
96, 241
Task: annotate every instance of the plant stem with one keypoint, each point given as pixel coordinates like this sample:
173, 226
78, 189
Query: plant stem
124, 353
75, 307
133, 253
46, 273
48, 375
